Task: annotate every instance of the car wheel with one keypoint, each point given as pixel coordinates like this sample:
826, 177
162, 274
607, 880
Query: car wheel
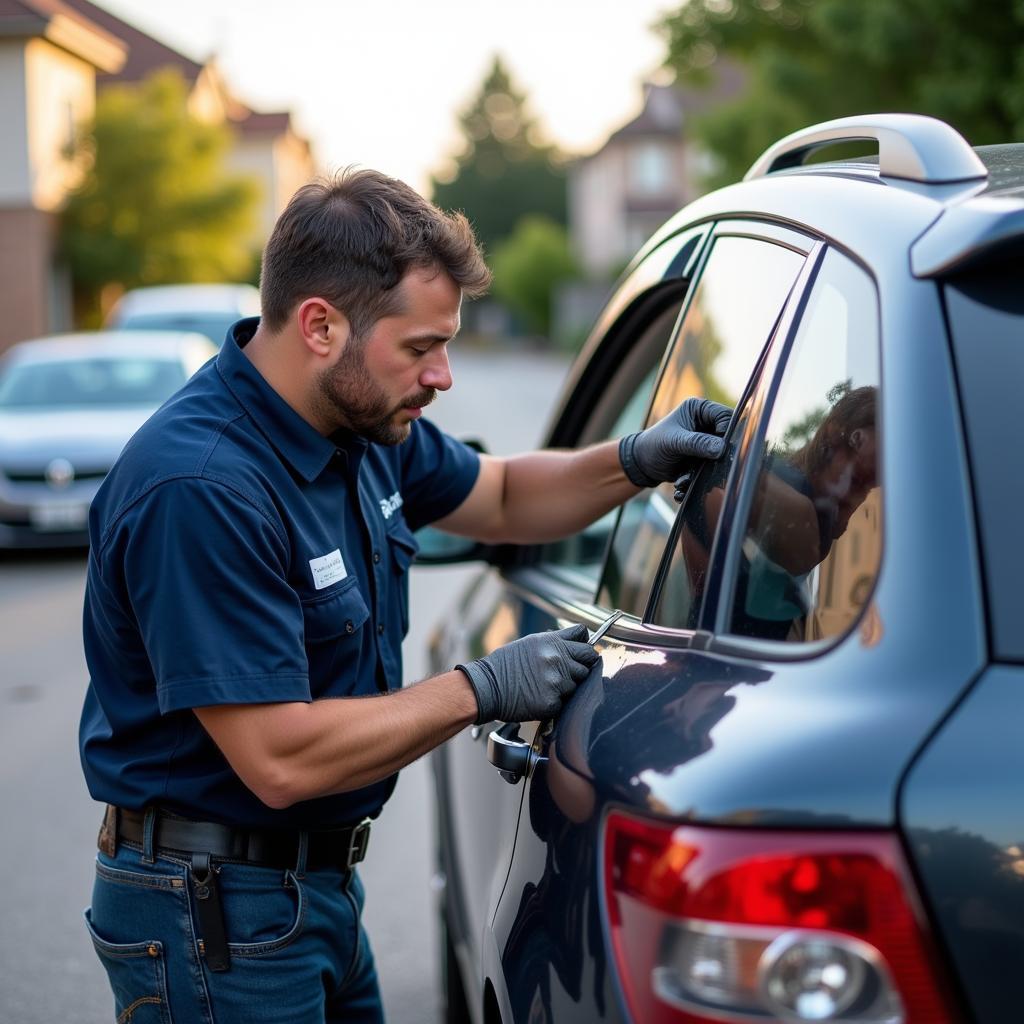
455, 1009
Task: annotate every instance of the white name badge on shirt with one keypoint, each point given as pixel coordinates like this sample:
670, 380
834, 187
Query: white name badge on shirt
328, 569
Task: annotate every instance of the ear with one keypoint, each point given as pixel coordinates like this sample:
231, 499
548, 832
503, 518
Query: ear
322, 327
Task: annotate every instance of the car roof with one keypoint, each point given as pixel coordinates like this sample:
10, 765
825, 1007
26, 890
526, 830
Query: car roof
100, 344
948, 204
174, 298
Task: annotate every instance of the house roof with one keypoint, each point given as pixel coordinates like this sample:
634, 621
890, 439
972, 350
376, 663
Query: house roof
273, 123
66, 26
666, 107
145, 54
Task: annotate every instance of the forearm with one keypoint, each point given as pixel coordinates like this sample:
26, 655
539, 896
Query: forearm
286, 753
551, 494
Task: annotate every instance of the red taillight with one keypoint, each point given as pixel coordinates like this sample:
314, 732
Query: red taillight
726, 924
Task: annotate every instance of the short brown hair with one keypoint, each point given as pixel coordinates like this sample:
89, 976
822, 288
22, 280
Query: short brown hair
352, 238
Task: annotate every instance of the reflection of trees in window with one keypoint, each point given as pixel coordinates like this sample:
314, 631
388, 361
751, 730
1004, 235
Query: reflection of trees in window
702, 347
690, 373
799, 434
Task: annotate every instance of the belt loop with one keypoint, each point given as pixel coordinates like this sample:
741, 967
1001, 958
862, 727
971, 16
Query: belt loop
303, 854
148, 828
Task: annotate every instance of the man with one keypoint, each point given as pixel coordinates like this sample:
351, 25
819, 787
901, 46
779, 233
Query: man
249, 554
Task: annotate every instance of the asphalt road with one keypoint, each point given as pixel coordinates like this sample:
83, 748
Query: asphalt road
48, 971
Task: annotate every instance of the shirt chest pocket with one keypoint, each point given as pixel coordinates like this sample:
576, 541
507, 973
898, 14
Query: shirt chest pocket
403, 550
340, 613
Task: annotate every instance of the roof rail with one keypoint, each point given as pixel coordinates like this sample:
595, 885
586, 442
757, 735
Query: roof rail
910, 146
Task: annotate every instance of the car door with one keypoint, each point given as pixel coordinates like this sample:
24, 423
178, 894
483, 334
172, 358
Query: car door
549, 960
477, 809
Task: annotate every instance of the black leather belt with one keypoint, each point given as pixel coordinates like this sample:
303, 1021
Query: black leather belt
279, 848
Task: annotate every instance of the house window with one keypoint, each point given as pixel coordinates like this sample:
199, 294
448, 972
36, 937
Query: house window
650, 169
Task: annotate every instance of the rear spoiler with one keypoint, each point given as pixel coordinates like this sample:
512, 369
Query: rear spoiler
972, 232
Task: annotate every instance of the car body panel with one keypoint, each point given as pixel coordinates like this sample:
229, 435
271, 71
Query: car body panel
821, 206
475, 860
964, 821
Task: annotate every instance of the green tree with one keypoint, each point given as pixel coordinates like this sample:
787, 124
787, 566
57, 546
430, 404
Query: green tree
529, 266
812, 60
155, 205
504, 169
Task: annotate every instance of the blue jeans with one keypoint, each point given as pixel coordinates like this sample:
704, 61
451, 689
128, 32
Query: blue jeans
299, 954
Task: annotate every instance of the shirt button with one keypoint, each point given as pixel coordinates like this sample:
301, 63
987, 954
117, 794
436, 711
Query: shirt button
350, 626
376, 557
380, 629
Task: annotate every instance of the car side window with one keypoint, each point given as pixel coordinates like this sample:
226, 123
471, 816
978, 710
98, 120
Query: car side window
810, 551
619, 411
734, 309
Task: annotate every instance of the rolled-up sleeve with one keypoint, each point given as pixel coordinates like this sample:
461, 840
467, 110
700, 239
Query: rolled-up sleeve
438, 472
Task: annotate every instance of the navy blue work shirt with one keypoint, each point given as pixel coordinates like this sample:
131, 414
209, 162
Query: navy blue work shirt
238, 556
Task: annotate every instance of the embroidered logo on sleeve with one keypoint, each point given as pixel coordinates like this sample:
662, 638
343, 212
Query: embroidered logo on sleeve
389, 506
328, 569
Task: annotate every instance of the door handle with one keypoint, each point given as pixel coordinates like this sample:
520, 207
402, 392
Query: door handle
512, 756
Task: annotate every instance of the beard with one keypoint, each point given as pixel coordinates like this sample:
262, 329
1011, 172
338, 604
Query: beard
347, 394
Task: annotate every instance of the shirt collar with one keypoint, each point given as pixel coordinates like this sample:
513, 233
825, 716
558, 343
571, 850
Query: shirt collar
296, 440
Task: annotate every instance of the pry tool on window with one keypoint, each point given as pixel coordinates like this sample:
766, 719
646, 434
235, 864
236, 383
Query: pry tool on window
603, 628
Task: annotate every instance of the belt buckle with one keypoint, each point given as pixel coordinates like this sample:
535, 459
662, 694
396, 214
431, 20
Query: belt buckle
357, 843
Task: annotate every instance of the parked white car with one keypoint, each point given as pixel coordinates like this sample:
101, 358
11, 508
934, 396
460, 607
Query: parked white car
68, 405
209, 309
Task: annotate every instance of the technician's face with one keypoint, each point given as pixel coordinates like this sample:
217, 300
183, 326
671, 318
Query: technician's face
381, 383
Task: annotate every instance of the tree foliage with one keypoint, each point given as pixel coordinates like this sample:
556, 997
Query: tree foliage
529, 266
156, 205
811, 60
504, 170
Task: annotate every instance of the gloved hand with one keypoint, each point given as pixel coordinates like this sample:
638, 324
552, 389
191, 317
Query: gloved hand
676, 444
529, 678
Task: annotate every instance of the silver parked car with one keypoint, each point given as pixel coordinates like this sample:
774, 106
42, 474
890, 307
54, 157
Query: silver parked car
209, 309
68, 405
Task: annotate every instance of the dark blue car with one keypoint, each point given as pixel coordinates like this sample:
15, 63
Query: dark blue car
793, 790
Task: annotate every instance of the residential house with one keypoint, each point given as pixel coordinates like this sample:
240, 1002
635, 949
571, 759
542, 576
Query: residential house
646, 171
50, 55
266, 146
54, 55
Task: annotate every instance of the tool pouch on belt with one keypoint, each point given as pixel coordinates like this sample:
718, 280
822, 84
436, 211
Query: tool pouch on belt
211, 913
106, 842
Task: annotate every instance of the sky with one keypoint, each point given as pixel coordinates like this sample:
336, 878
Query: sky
380, 82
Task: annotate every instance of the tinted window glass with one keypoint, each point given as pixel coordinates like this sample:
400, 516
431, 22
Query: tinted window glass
734, 308
620, 411
986, 313
679, 601
812, 545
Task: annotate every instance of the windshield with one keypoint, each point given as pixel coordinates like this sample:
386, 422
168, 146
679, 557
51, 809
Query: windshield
89, 383
213, 325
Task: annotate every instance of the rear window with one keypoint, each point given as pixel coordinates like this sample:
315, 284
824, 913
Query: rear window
213, 325
986, 316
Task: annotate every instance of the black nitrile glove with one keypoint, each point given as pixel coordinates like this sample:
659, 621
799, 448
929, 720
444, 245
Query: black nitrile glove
529, 678
677, 444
